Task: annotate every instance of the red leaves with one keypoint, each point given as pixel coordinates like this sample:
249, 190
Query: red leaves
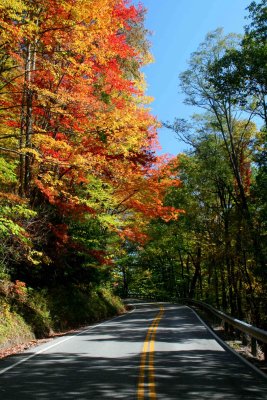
135, 235
118, 44
123, 13
12, 124
101, 257
80, 103
61, 232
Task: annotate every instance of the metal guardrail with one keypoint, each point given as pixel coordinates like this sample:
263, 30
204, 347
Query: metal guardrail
256, 334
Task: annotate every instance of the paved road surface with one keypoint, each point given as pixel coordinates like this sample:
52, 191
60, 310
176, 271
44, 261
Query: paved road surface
158, 351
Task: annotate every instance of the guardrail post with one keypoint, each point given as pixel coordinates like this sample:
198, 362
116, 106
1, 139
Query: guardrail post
254, 346
230, 324
244, 339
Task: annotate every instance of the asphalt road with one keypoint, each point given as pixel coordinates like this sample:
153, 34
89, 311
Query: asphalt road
158, 351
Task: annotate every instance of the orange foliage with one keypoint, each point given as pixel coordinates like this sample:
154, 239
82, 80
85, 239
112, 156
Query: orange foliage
89, 126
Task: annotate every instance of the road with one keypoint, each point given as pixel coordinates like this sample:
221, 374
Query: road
157, 351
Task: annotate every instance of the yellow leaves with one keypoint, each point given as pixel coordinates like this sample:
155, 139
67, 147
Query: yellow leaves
35, 257
48, 145
33, 152
92, 134
49, 178
126, 129
148, 59
57, 100
14, 7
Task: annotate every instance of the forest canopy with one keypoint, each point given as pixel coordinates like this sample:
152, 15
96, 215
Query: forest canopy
78, 170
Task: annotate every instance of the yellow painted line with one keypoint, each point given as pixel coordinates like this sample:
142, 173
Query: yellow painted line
141, 381
149, 346
151, 369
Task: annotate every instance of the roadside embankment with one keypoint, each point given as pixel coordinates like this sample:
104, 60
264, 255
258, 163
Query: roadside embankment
28, 314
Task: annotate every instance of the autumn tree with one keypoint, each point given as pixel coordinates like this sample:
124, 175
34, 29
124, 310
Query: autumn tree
77, 139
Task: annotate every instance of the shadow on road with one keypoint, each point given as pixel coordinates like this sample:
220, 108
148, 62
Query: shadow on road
189, 364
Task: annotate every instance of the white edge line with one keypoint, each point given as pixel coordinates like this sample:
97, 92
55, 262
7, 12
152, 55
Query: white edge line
224, 344
62, 341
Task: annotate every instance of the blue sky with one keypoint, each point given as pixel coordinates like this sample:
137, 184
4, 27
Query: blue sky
178, 27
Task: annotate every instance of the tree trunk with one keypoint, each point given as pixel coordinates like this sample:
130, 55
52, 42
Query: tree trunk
125, 282
197, 273
27, 119
223, 289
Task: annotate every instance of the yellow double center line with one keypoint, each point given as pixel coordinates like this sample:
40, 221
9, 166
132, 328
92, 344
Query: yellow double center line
147, 360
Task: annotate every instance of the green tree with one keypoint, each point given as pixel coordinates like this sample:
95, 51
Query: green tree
221, 102
242, 70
